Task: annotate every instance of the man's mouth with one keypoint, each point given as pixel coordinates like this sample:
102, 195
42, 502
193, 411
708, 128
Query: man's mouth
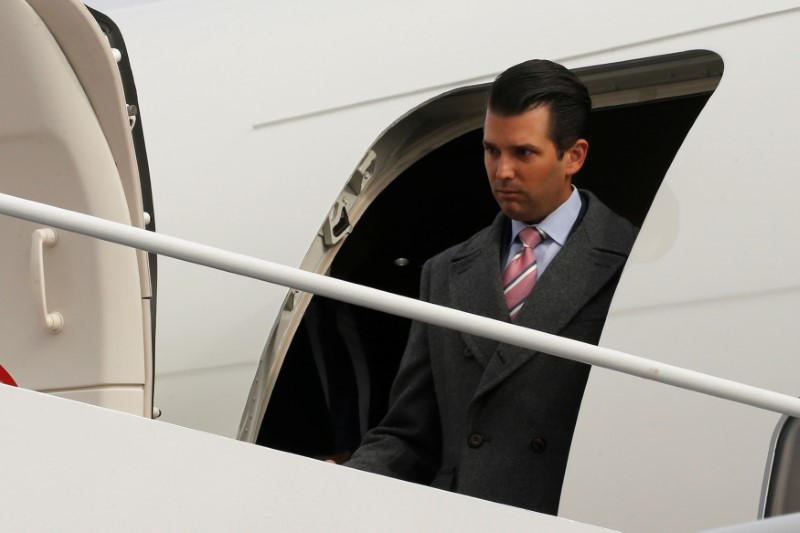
507, 193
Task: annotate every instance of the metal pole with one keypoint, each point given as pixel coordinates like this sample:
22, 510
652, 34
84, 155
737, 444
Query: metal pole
398, 305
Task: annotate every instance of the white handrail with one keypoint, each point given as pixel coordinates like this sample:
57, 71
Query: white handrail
398, 305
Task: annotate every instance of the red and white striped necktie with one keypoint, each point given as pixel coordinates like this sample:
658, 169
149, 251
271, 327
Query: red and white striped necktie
520, 275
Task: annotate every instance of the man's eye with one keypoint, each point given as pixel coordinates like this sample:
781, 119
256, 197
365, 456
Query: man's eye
490, 150
525, 152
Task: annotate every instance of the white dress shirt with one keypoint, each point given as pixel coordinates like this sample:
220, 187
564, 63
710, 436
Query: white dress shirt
556, 226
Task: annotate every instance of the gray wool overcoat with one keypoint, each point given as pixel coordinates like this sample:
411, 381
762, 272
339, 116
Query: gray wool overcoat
487, 419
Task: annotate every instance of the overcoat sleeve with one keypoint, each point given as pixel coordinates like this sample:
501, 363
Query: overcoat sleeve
407, 443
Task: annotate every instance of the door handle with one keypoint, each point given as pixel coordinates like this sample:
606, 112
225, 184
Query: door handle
53, 322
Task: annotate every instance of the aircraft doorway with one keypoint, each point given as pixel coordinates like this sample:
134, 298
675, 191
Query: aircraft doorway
335, 379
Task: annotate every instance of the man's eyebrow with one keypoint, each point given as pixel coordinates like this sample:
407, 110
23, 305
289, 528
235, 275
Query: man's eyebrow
516, 147
530, 147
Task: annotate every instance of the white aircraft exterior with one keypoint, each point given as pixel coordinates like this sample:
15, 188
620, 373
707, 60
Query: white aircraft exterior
264, 120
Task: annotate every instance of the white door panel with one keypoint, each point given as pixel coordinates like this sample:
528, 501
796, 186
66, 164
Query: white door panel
54, 150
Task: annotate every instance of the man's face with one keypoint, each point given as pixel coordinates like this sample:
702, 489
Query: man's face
528, 179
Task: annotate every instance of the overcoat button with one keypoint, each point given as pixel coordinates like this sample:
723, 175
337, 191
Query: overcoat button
467, 353
538, 445
475, 440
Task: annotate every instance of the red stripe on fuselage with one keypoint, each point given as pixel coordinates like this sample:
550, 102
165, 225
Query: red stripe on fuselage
6, 378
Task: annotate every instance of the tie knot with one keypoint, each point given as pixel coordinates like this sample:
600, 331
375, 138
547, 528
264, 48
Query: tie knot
531, 236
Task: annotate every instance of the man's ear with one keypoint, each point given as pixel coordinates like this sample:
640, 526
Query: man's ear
576, 156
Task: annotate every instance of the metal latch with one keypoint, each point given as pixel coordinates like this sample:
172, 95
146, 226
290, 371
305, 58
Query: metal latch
337, 223
361, 177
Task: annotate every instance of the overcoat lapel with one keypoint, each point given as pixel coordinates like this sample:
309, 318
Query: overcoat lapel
583, 266
475, 285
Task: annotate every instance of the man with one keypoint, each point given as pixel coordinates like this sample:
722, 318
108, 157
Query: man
473, 415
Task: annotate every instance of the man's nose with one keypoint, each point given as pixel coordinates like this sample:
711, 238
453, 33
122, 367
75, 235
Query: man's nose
504, 169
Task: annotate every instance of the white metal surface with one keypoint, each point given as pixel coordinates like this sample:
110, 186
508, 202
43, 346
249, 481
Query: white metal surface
258, 112
55, 135
316, 85
716, 270
781, 524
135, 474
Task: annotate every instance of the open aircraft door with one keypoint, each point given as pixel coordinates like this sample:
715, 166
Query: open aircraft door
75, 312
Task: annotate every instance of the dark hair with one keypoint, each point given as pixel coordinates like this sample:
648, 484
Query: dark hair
539, 82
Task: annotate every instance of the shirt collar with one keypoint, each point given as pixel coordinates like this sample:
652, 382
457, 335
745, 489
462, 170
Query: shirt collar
557, 224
